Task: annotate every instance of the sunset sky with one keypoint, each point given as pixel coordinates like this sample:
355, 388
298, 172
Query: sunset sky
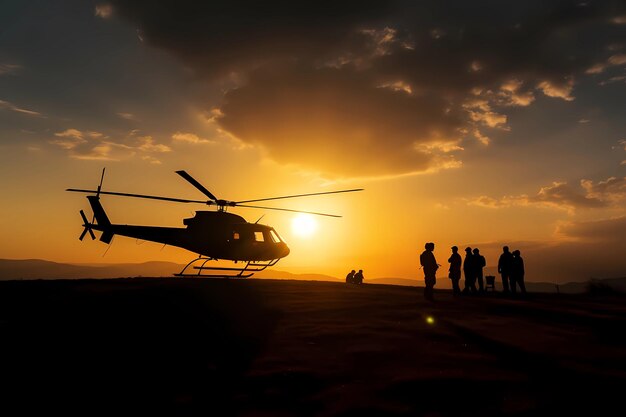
477, 123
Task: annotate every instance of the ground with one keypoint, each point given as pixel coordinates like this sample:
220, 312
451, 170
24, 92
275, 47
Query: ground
299, 348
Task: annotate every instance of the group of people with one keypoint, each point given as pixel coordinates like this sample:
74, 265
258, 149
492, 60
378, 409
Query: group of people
510, 267
355, 277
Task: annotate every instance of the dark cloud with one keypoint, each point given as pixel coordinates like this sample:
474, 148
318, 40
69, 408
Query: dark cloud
607, 231
338, 122
421, 60
216, 38
561, 194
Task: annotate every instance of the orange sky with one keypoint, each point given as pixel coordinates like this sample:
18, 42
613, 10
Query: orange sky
458, 149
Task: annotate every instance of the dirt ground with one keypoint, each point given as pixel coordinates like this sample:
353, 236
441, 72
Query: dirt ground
302, 348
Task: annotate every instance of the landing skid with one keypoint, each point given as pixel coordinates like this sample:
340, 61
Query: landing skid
199, 265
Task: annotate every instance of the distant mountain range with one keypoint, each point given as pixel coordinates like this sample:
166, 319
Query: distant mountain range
16, 269
11, 269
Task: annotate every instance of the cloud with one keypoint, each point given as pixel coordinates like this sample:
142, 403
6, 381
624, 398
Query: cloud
103, 10
10, 106
612, 190
561, 90
151, 159
340, 123
292, 65
77, 134
615, 79
91, 145
498, 203
147, 144
6, 69
606, 230
512, 93
127, 116
561, 195
612, 61
190, 138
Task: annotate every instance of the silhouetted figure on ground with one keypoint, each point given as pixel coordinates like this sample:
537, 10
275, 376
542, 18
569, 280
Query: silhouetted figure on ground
479, 264
455, 270
358, 277
468, 271
350, 277
517, 273
504, 268
428, 262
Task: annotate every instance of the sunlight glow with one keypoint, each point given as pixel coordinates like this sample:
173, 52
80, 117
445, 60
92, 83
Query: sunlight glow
303, 225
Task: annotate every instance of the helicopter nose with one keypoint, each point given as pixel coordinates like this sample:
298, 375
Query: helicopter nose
284, 251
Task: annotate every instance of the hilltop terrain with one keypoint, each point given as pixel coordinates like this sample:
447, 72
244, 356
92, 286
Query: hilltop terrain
282, 347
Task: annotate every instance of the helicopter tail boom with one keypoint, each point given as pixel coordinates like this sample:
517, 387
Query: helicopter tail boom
104, 223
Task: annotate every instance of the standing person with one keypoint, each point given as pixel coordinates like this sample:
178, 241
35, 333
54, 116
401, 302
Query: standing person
358, 277
428, 262
468, 271
455, 270
479, 264
504, 268
517, 273
350, 277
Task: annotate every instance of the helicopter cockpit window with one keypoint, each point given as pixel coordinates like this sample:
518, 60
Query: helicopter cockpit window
235, 236
258, 236
274, 236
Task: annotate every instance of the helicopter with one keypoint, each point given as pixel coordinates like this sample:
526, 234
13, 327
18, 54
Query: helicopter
214, 235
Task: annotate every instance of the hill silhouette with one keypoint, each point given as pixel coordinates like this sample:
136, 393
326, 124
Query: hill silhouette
281, 347
15, 269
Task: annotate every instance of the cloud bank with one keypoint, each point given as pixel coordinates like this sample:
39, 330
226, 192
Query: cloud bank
383, 87
561, 195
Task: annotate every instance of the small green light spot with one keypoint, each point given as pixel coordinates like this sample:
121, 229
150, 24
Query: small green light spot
430, 320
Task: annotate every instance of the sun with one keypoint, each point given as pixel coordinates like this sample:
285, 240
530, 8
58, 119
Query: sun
303, 225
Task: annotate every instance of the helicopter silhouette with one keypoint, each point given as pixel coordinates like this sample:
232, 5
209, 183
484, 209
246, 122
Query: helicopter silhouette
213, 235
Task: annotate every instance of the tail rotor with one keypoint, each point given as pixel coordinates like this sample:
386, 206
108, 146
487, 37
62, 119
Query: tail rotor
87, 227
86, 224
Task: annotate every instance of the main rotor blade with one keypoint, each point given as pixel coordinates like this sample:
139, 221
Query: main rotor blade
196, 184
152, 197
298, 195
294, 211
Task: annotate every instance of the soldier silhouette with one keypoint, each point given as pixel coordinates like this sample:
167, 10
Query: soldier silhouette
428, 262
479, 264
517, 272
455, 270
504, 268
468, 271
350, 277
